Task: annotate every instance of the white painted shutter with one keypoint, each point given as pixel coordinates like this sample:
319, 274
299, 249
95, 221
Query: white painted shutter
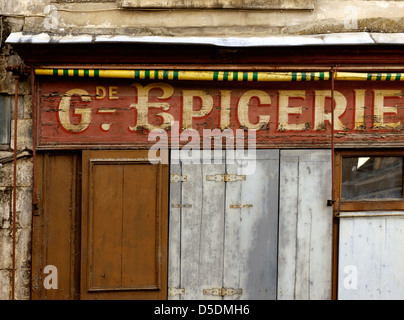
371, 257
216, 246
305, 225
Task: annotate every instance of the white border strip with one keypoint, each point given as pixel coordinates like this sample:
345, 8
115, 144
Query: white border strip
354, 38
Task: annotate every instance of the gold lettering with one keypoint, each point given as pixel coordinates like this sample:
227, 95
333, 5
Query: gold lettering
143, 106
285, 110
225, 109
100, 92
381, 109
113, 93
320, 116
64, 111
188, 106
360, 109
242, 109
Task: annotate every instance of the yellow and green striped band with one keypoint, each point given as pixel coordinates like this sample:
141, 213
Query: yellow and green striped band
230, 76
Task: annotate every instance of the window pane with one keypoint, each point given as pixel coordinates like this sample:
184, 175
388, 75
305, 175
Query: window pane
5, 105
365, 178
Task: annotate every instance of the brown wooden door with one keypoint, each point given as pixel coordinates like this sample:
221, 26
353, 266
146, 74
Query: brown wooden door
124, 226
113, 246
56, 226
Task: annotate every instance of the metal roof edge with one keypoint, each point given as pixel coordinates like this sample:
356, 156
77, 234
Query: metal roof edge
353, 38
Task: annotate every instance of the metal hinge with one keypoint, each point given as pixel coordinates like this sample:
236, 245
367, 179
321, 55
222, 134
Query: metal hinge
226, 177
223, 292
172, 292
241, 206
174, 178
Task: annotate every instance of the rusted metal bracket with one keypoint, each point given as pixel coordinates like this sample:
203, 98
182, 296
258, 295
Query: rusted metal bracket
223, 292
241, 206
172, 292
18, 69
330, 203
26, 153
174, 178
226, 177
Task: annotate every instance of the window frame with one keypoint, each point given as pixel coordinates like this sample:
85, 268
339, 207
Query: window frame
366, 204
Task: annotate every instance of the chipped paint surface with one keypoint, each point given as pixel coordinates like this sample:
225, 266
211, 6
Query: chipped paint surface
111, 111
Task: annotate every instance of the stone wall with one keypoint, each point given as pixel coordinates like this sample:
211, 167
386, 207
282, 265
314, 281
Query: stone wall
207, 18
24, 172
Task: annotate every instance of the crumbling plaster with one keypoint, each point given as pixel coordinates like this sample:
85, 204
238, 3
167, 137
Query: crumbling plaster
328, 16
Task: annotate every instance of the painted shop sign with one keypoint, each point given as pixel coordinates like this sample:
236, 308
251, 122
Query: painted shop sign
88, 112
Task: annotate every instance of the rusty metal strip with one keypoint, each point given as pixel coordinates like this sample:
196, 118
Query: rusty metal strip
16, 77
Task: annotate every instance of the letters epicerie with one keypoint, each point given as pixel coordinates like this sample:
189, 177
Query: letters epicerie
198, 104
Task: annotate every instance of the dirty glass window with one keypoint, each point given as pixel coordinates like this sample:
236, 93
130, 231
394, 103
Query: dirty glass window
372, 178
5, 106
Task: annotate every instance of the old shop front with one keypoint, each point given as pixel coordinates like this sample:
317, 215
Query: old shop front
314, 211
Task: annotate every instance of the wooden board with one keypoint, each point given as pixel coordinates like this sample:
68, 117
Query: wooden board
222, 247
89, 112
56, 226
251, 233
124, 226
304, 269
371, 257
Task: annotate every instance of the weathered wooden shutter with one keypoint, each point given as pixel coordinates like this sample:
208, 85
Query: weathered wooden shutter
251, 231
56, 226
223, 229
124, 226
305, 224
371, 251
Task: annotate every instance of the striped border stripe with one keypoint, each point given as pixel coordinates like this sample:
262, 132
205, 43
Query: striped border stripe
231, 76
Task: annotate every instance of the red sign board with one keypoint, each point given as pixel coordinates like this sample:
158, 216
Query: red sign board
81, 113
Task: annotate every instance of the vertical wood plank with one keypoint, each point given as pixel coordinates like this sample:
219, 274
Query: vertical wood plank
202, 231
174, 241
105, 226
250, 251
288, 217
371, 253
305, 225
125, 223
139, 263
55, 228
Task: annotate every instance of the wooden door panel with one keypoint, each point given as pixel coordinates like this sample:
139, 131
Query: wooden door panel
56, 225
124, 222
251, 232
305, 224
105, 226
141, 203
202, 230
174, 241
223, 247
371, 251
